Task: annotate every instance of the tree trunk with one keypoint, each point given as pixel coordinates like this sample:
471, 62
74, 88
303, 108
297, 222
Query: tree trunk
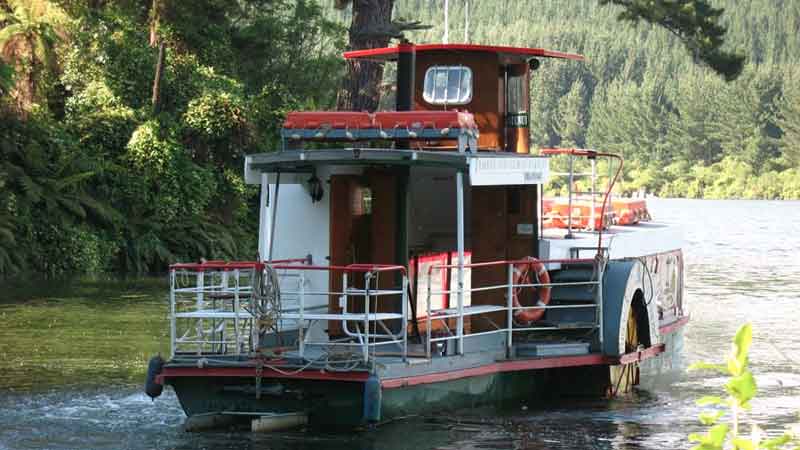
360, 88
159, 76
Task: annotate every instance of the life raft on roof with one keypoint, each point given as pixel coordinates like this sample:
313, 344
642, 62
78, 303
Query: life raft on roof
555, 213
350, 125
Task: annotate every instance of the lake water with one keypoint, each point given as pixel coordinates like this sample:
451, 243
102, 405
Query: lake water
73, 355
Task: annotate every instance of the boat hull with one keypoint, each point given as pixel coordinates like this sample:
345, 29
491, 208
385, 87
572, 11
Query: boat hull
340, 403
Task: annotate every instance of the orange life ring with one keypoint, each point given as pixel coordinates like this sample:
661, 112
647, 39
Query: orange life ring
522, 277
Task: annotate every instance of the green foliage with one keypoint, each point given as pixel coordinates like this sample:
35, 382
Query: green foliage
101, 184
6, 78
741, 389
695, 22
29, 36
640, 93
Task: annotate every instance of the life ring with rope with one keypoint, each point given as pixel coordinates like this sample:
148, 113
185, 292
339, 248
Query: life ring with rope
522, 276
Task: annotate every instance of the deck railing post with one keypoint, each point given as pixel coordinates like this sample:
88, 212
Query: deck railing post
404, 322
460, 238
510, 306
300, 324
366, 316
428, 320
594, 180
199, 307
172, 324
236, 310
569, 200
599, 309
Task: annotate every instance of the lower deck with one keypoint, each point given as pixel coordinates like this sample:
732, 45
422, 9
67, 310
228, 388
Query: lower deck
333, 393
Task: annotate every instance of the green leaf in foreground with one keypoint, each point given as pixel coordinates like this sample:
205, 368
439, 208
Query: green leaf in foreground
713, 440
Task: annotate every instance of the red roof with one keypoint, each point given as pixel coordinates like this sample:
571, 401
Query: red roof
514, 53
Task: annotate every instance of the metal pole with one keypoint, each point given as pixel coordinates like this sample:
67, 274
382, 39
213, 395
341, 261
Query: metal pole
466, 21
446, 21
460, 239
300, 332
405, 318
428, 322
594, 179
199, 306
236, 310
367, 280
569, 213
510, 303
264, 223
172, 332
600, 270
274, 206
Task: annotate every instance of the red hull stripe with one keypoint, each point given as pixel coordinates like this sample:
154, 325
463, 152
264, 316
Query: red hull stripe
239, 372
674, 326
498, 367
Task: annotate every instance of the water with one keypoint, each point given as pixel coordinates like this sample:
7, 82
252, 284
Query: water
73, 355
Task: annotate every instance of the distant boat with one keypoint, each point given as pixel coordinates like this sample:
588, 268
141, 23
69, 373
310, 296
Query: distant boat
406, 267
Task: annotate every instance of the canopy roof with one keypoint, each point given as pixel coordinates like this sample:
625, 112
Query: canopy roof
507, 54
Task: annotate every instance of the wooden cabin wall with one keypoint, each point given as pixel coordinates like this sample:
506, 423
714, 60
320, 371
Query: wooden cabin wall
497, 213
486, 94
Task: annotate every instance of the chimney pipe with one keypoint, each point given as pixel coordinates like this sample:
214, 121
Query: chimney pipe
406, 68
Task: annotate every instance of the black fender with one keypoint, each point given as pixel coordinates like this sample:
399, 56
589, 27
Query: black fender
152, 388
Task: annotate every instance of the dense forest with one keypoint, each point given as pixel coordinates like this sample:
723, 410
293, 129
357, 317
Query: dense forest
123, 122
683, 130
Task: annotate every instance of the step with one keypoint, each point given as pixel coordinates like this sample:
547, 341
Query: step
549, 349
573, 294
572, 275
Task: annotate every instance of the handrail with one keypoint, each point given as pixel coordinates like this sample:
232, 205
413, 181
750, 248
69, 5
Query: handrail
511, 261
509, 308
232, 265
591, 154
361, 268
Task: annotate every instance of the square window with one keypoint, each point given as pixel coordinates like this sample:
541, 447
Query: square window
448, 85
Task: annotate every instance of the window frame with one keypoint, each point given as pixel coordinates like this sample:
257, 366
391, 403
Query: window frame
432, 100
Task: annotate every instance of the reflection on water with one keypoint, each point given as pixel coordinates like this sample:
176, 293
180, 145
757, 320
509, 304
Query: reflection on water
72, 357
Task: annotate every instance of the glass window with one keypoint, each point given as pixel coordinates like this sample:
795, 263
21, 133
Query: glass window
448, 85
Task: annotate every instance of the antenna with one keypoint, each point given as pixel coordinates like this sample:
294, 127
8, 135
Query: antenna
466, 21
446, 24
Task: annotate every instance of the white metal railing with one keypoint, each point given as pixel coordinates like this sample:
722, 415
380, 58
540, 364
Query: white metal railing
217, 308
224, 308
508, 288
365, 330
210, 308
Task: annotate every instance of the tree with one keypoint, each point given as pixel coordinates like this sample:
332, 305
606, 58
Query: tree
371, 27
28, 40
695, 22
789, 121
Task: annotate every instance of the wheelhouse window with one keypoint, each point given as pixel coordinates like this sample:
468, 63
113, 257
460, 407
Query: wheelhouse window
448, 85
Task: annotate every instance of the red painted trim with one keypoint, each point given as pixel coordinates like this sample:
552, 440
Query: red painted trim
394, 383
498, 367
250, 372
391, 52
674, 325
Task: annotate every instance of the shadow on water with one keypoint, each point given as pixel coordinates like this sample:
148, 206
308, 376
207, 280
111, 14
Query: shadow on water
73, 356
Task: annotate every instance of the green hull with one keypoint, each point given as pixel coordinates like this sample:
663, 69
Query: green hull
340, 403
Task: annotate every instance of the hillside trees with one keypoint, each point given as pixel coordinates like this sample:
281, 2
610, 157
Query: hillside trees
110, 183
